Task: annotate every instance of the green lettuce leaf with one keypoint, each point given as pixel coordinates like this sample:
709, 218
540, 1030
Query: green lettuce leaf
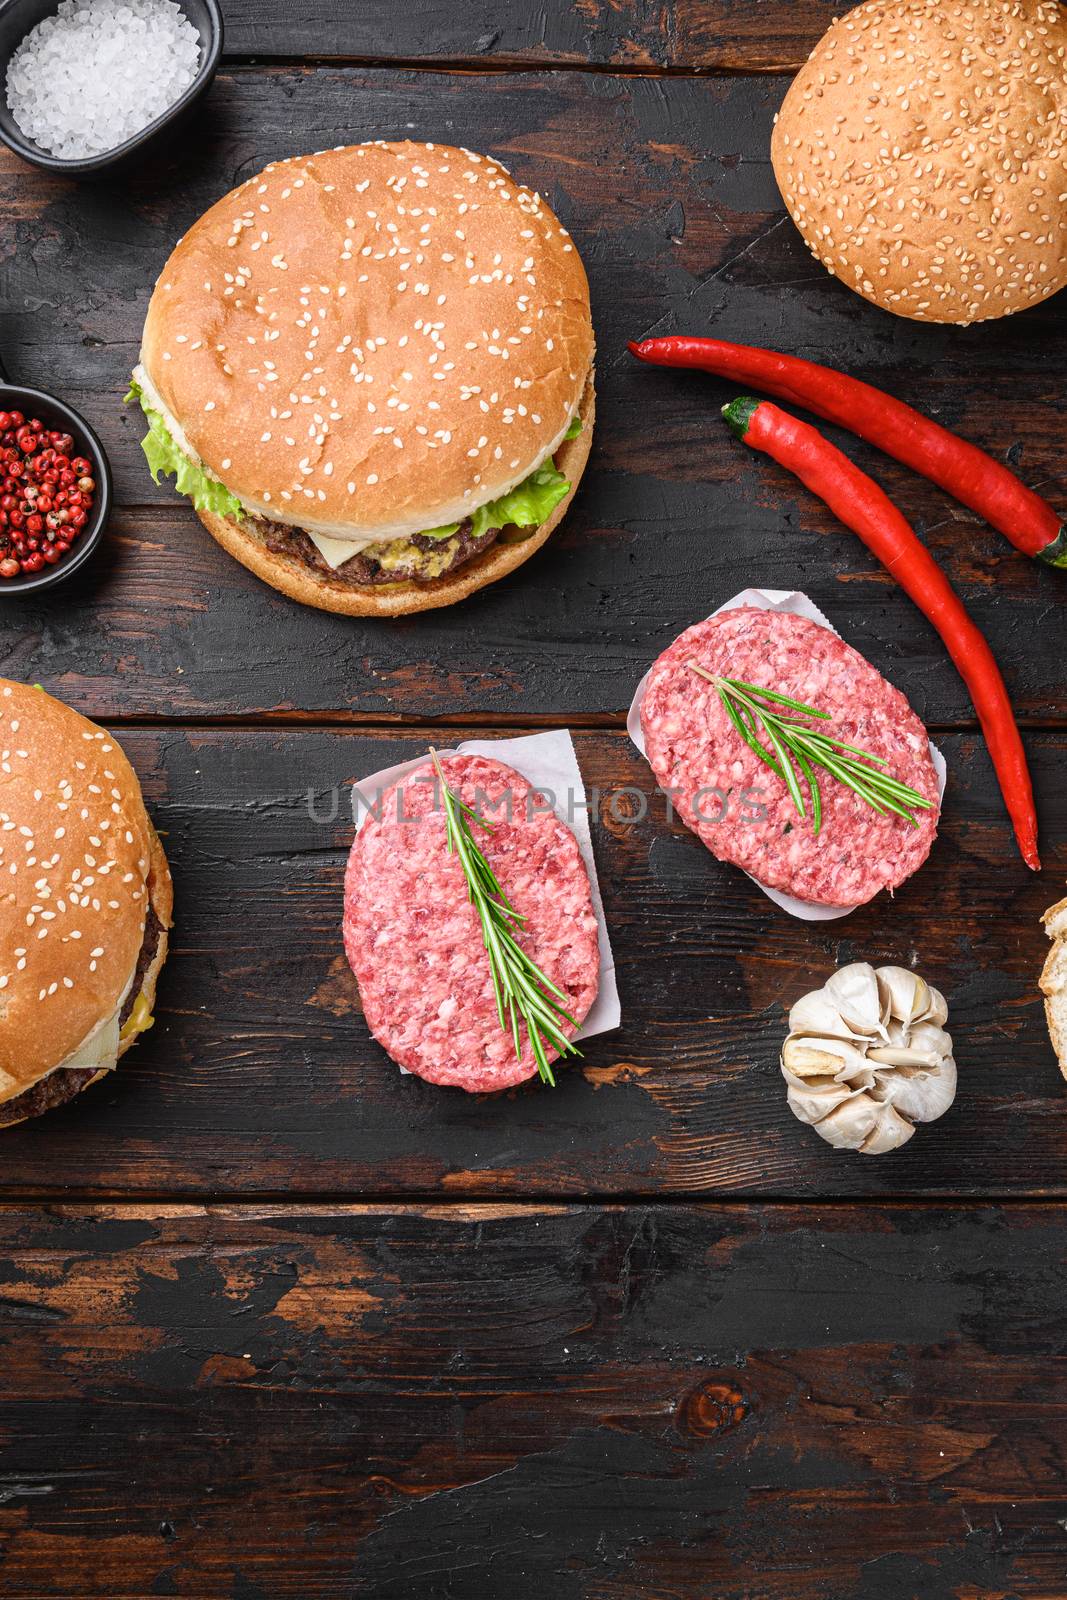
165, 456
532, 503
526, 507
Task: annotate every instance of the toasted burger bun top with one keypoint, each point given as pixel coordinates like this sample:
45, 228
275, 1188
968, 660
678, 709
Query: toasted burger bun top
922, 152
374, 340
75, 856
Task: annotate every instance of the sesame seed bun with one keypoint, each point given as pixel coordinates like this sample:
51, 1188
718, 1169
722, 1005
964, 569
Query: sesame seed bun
80, 865
374, 340
922, 152
324, 589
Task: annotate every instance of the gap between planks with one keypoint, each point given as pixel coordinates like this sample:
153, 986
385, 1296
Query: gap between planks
284, 1203
354, 722
504, 65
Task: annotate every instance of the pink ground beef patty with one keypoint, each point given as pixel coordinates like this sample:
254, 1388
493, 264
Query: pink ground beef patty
692, 745
414, 941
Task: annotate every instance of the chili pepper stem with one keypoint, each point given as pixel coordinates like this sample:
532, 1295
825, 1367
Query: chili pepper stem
1055, 554
739, 414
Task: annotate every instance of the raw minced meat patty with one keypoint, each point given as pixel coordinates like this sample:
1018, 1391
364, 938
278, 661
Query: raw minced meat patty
693, 746
414, 941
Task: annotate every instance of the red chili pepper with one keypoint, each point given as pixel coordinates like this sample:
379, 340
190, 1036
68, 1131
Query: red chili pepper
862, 506
961, 469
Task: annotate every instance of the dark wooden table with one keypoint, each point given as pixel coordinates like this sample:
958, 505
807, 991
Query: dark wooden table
278, 1322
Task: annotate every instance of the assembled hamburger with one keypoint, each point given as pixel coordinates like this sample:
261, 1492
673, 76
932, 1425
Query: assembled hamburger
85, 904
371, 370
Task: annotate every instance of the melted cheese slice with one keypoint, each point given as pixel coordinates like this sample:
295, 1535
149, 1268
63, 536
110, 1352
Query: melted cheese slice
100, 1050
335, 552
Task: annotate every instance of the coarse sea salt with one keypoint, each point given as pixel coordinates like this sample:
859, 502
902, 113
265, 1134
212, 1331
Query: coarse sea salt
98, 72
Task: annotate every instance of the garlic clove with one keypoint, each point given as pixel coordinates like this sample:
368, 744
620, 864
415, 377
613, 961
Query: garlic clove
928, 1036
817, 1013
889, 1132
936, 1010
806, 1062
808, 1056
904, 992
850, 1123
854, 991
811, 1104
896, 1056
925, 1095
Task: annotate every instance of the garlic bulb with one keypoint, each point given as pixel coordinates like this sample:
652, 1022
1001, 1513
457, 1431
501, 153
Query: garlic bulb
868, 1057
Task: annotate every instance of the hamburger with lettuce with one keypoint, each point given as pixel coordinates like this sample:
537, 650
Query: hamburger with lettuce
371, 371
85, 904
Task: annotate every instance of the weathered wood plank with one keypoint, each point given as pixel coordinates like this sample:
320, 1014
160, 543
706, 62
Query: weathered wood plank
615, 1403
675, 516
642, 35
167, 625
260, 1076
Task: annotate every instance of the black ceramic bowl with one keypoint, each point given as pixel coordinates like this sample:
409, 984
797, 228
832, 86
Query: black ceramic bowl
17, 17
60, 417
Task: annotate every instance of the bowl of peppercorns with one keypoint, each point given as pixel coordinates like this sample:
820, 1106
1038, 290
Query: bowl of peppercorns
55, 490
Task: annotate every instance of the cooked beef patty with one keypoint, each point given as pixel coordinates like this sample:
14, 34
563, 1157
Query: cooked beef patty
153, 930
414, 560
60, 1086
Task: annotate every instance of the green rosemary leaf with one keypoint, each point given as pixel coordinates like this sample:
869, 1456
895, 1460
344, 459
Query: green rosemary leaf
747, 733
523, 993
785, 758
774, 731
839, 744
859, 782
880, 783
855, 783
888, 785
795, 747
779, 699
813, 790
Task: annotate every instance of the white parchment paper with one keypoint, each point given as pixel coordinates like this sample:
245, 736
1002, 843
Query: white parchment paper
797, 605
548, 762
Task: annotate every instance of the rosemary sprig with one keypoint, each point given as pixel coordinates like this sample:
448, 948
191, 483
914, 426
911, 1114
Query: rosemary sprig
796, 748
523, 992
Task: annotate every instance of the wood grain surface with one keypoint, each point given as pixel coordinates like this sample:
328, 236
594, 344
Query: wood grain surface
604, 1403
689, 36
277, 1323
260, 1076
